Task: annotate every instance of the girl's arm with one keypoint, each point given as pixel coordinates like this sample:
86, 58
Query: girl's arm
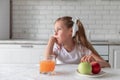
93, 57
49, 47
100, 60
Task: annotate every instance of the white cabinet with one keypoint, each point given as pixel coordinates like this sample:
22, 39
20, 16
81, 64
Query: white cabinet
4, 19
103, 50
21, 53
114, 56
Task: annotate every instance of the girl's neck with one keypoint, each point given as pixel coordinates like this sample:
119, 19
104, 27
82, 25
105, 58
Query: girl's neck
69, 45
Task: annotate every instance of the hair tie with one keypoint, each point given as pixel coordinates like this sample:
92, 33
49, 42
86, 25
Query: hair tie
74, 28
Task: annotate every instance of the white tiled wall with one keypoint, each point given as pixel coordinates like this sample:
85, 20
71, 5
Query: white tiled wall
34, 19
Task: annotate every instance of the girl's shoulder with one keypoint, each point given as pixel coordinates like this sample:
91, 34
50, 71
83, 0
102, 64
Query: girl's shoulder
81, 47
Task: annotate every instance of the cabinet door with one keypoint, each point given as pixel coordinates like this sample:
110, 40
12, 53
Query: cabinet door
116, 59
21, 53
114, 56
102, 50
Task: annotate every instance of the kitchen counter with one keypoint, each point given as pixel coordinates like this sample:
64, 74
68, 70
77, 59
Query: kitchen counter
112, 42
23, 42
63, 72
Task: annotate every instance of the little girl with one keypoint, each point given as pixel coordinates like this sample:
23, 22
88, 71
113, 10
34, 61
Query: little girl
70, 45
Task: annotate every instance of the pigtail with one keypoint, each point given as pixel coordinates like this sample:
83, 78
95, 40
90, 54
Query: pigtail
80, 38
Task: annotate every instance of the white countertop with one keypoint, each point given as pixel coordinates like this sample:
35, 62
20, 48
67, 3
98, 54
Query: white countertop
63, 72
23, 42
15, 41
106, 42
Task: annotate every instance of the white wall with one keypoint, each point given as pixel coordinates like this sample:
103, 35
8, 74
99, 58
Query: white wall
34, 19
4, 19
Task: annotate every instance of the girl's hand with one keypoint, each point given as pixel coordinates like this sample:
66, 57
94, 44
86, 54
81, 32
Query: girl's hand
87, 58
53, 40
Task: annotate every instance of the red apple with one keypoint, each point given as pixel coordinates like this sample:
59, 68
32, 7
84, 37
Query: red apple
95, 67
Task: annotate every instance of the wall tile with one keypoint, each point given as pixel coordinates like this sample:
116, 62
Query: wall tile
34, 19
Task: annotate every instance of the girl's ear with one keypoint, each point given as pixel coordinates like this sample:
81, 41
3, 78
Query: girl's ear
71, 31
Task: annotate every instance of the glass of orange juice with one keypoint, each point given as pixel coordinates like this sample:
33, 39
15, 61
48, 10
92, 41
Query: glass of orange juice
47, 65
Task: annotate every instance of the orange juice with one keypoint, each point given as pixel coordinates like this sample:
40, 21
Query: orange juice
47, 66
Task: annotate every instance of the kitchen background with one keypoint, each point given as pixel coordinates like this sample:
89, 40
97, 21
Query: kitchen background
34, 19
26, 25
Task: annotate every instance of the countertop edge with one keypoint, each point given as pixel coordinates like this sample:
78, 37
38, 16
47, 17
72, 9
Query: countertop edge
44, 42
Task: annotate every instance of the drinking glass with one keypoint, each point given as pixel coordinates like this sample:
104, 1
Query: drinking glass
47, 66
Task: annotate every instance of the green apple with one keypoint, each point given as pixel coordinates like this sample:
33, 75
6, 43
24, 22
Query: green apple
85, 68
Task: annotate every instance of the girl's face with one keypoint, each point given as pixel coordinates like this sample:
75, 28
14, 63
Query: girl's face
62, 33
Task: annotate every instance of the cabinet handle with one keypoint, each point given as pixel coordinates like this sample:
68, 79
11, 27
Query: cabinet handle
27, 46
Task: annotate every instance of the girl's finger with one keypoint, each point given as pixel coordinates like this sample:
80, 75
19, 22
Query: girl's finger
91, 59
82, 59
88, 58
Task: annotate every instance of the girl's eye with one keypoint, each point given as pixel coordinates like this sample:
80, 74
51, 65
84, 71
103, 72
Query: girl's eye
58, 29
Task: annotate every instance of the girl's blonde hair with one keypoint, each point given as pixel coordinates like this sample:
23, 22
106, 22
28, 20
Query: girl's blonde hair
80, 36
